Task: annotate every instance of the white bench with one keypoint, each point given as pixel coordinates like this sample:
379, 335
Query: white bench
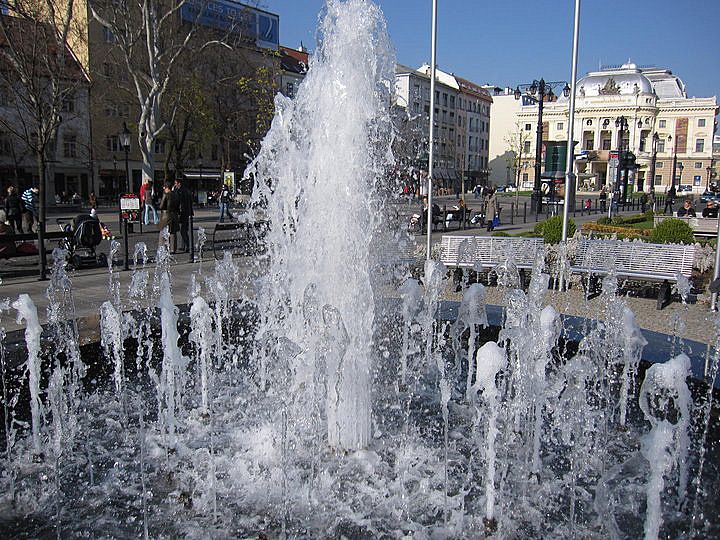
701, 226
489, 251
653, 262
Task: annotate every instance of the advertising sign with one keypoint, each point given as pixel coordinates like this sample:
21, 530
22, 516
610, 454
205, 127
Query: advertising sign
130, 207
259, 27
229, 180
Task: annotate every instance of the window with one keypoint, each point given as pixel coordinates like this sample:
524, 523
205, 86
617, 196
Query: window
452, 102
526, 146
698, 164
701, 122
112, 143
588, 122
658, 179
661, 146
159, 146
700, 145
606, 144
659, 165
643, 142
589, 144
290, 89
525, 177
445, 99
70, 146
416, 107
662, 124
68, 103
697, 180
528, 127
560, 126
108, 35
416, 90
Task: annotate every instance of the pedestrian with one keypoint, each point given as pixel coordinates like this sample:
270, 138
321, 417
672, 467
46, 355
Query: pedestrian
669, 199
651, 199
30, 202
186, 210
643, 202
14, 210
603, 199
146, 199
92, 200
224, 203
491, 211
170, 215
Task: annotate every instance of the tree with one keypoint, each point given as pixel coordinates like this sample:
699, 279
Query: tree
517, 154
41, 76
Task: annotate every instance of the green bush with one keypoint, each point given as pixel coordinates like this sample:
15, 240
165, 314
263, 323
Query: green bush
672, 231
551, 229
604, 221
649, 214
617, 220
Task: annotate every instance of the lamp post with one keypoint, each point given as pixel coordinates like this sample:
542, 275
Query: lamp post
115, 178
192, 200
674, 167
542, 89
125, 142
709, 172
622, 125
655, 140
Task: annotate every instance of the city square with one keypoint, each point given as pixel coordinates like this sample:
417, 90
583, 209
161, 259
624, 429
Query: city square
253, 290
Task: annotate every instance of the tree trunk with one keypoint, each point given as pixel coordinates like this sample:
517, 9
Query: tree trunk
42, 203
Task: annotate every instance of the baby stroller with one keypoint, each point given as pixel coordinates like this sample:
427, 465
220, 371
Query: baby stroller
87, 235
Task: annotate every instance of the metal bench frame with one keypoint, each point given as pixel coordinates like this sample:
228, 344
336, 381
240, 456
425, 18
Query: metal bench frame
490, 251
258, 230
652, 262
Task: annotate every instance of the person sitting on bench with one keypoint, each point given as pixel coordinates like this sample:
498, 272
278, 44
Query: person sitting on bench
686, 210
710, 210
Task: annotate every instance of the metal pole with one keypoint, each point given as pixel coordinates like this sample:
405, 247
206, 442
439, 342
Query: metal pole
537, 195
127, 247
569, 162
433, 63
716, 271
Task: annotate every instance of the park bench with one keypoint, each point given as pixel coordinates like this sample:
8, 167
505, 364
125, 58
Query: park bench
32, 237
635, 260
489, 251
242, 238
701, 226
463, 221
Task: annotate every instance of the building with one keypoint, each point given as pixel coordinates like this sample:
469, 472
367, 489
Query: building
203, 151
506, 137
68, 155
654, 103
294, 64
473, 138
462, 115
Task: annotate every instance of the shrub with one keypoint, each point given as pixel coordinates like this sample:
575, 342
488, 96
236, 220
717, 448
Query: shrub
617, 220
672, 231
604, 221
649, 214
551, 229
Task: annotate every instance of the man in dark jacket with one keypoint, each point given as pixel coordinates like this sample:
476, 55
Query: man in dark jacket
186, 210
170, 214
13, 209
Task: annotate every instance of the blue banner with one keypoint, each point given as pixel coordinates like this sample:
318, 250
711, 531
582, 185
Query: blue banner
257, 26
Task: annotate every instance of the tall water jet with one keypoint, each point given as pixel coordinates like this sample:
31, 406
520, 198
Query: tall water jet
320, 173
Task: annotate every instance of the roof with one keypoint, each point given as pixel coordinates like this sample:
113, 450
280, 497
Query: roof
448, 79
294, 60
627, 80
469, 87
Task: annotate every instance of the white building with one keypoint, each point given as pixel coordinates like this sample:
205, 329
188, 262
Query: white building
652, 101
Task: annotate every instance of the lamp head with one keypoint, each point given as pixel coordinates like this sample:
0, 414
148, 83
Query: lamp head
533, 88
517, 92
566, 90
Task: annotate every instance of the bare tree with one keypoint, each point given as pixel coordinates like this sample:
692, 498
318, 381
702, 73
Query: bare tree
41, 77
517, 153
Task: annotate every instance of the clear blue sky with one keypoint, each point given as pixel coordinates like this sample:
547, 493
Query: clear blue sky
512, 42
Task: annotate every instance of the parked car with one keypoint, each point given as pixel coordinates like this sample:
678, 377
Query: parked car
685, 188
709, 196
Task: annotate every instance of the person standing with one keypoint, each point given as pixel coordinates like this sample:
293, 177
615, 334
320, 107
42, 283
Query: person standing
669, 200
603, 199
13, 210
186, 210
146, 198
651, 199
92, 200
224, 202
491, 211
30, 201
170, 215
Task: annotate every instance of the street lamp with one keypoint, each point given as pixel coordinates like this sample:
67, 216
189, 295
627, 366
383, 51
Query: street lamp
622, 125
125, 142
542, 89
709, 172
655, 140
674, 167
115, 185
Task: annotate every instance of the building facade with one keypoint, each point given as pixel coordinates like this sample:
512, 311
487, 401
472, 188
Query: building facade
462, 116
664, 127
294, 64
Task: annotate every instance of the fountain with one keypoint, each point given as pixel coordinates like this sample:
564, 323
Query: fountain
312, 397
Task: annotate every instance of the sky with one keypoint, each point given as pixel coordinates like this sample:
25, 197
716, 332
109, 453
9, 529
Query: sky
509, 43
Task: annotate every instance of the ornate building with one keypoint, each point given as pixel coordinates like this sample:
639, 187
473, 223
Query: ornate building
662, 121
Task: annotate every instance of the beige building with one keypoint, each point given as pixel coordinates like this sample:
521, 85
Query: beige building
653, 101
